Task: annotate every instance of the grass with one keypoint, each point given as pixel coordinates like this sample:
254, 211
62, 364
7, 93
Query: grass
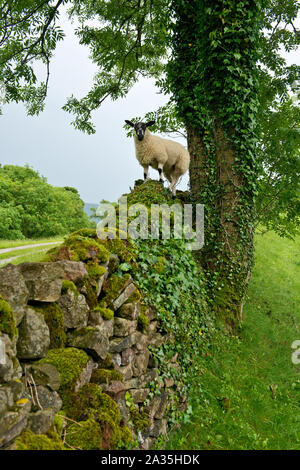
28, 241
248, 393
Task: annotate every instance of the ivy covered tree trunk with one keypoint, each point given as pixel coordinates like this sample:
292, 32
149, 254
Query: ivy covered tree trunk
213, 77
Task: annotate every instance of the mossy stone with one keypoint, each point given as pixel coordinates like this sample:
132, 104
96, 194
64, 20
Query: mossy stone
69, 362
86, 435
30, 441
143, 323
100, 376
7, 321
54, 319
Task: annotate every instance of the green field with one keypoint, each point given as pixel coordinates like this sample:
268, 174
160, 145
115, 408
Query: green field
248, 393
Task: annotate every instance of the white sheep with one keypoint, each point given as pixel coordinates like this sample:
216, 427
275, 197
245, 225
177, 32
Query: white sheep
163, 155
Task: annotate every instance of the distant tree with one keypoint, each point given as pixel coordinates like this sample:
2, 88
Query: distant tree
32, 208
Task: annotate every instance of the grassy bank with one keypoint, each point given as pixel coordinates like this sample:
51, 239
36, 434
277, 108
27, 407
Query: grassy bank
248, 393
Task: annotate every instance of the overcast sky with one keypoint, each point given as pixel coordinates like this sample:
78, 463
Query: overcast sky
100, 166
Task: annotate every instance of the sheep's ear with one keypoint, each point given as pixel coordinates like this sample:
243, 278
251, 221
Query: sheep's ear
150, 123
130, 123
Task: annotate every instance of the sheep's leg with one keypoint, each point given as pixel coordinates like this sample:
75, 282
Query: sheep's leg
146, 168
174, 180
160, 169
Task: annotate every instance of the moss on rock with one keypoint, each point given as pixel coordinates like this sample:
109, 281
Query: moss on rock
55, 321
7, 321
139, 420
89, 399
69, 286
30, 441
100, 376
84, 285
143, 323
86, 435
113, 288
95, 271
69, 363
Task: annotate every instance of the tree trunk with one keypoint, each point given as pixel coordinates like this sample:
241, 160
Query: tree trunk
216, 181
213, 78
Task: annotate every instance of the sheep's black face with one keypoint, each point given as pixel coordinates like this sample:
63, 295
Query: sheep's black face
140, 128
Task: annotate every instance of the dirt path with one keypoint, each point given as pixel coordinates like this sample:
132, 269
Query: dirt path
7, 250
14, 248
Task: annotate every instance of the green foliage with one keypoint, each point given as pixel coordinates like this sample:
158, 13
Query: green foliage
30, 207
247, 393
28, 32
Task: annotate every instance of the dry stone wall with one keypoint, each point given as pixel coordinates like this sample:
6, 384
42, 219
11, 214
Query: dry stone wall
62, 332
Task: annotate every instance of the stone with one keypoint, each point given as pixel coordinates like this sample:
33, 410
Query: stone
152, 408
14, 290
126, 371
99, 284
118, 345
116, 358
140, 363
125, 413
169, 382
34, 336
150, 313
9, 365
127, 357
162, 405
139, 395
44, 374
142, 381
6, 398
41, 421
142, 342
73, 270
129, 311
123, 327
152, 328
157, 340
43, 280
48, 398
158, 428
115, 389
146, 444
12, 423
121, 299
75, 310
85, 375
112, 264
93, 340
107, 326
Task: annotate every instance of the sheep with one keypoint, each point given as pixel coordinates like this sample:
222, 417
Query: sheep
163, 155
